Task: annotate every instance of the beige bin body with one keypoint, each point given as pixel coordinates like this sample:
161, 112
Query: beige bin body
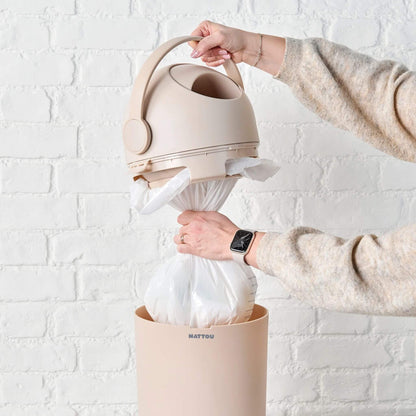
217, 371
187, 115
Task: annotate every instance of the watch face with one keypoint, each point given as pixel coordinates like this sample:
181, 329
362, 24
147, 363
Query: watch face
241, 241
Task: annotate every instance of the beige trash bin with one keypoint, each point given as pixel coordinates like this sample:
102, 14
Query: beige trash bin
171, 124
217, 371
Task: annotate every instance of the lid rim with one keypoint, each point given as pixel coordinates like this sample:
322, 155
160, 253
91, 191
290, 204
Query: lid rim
195, 152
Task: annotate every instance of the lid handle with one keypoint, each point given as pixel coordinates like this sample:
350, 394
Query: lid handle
137, 134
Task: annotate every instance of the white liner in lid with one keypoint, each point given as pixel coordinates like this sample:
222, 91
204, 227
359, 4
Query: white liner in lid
147, 200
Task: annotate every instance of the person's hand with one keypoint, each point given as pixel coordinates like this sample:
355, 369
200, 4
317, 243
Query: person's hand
220, 42
209, 234
223, 42
206, 234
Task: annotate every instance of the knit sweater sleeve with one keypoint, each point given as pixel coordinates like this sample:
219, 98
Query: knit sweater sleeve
365, 274
376, 101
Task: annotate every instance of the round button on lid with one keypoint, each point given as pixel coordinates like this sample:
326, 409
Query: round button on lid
137, 136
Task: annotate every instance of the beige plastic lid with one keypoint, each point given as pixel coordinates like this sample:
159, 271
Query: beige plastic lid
187, 115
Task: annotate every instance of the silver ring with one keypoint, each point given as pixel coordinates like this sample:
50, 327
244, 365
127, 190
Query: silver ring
182, 238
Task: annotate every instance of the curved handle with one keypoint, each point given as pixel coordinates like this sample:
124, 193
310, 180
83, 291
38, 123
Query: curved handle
136, 132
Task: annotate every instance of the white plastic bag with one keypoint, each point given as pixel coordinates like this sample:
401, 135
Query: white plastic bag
191, 290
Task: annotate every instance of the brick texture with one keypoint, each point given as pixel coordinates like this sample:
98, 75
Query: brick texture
75, 261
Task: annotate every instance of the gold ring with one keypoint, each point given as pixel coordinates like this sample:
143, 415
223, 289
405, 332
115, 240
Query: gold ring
182, 238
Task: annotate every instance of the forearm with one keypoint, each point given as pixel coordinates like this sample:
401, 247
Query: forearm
366, 274
251, 257
273, 50
371, 98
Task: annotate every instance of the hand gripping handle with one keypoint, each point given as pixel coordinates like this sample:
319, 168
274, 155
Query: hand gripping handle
137, 134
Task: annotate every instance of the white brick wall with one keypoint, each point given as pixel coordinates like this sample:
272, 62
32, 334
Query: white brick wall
74, 261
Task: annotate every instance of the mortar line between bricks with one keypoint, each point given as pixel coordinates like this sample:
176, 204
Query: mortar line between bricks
305, 22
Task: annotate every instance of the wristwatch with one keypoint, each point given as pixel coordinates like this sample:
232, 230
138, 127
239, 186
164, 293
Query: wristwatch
242, 241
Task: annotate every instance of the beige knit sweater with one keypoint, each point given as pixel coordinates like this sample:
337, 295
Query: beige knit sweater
376, 100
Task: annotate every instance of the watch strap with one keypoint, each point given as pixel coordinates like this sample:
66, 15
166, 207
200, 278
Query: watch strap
238, 257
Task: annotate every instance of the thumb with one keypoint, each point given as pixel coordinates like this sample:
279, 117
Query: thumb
205, 45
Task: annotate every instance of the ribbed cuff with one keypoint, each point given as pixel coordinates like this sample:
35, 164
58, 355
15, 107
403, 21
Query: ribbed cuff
264, 254
291, 59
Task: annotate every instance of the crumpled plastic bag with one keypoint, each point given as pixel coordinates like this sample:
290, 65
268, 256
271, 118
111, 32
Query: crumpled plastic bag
191, 290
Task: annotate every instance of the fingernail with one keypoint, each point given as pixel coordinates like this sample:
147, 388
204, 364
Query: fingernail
195, 53
222, 52
226, 56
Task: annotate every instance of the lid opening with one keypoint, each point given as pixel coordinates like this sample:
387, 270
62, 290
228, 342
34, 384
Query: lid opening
215, 86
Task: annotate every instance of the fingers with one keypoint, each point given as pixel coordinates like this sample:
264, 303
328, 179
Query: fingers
209, 48
186, 217
181, 237
207, 43
216, 58
215, 63
201, 30
182, 245
217, 51
184, 230
204, 29
176, 239
204, 233
185, 249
